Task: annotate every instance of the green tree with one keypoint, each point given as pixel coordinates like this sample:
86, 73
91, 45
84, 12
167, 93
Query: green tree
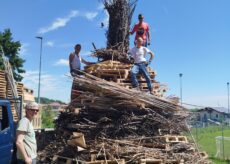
48, 117
11, 49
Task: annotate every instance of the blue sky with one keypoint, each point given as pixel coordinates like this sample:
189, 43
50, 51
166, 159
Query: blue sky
187, 36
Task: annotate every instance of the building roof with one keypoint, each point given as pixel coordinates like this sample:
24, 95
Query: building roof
55, 104
217, 109
221, 109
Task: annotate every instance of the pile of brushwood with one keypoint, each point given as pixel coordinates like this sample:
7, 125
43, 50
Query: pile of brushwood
120, 123
120, 15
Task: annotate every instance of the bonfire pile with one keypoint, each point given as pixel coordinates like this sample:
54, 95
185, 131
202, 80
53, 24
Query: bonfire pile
109, 123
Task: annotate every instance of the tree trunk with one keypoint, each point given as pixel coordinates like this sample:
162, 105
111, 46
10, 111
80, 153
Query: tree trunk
120, 14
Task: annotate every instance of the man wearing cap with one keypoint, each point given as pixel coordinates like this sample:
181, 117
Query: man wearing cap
142, 30
25, 136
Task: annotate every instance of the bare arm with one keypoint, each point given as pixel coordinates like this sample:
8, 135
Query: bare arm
151, 56
133, 30
148, 33
86, 62
71, 57
20, 146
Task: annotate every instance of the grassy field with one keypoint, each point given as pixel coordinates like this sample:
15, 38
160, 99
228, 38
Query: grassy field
206, 139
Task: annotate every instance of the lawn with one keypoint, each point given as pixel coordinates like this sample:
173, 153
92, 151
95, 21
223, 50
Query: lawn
206, 139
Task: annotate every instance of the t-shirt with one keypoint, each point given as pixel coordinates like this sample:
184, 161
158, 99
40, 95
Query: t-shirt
138, 54
30, 143
76, 62
141, 30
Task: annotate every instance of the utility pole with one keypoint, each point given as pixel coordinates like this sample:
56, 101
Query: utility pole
40, 63
228, 104
180, 75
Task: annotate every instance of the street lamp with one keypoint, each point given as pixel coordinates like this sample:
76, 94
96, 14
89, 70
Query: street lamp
40, 63
228, 104
180, 75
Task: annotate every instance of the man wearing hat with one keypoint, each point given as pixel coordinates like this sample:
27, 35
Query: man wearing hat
142, 30
25, 136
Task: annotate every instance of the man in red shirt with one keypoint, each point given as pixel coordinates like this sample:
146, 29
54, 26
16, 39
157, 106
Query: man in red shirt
142, 30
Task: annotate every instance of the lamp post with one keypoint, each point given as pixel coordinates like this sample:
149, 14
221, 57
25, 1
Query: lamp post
40, 63
228, 104
180, 75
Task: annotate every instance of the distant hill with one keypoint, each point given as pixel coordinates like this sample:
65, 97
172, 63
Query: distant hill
44, 100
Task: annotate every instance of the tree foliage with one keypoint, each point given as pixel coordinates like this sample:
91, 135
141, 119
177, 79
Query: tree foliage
11, 49
44, 100
48, 117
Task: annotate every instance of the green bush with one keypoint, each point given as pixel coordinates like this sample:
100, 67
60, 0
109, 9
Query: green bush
48, 118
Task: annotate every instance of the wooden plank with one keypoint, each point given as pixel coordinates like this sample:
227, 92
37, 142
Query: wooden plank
150, 161
117, 161
62, 160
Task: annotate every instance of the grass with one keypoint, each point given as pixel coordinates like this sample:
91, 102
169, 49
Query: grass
206, 140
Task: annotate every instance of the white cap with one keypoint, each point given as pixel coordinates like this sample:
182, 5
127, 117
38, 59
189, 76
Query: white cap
32, 105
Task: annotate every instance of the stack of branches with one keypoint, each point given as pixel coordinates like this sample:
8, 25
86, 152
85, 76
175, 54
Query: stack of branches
98, 92
120, 15
111, 53
121, 123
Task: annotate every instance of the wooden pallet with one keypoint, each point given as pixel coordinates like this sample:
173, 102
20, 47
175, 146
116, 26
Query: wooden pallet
158, 161
116, 161
203, 154
150, 161
64, 160
175, 139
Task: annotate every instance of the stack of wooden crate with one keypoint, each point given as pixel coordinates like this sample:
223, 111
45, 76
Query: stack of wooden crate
2, 85
6, 92
120, 73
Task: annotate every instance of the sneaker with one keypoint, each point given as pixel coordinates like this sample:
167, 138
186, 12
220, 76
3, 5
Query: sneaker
136, 88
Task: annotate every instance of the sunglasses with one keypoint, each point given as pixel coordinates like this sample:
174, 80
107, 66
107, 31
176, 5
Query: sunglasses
34, 110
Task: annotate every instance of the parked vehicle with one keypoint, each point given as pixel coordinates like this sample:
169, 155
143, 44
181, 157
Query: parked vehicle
7, 133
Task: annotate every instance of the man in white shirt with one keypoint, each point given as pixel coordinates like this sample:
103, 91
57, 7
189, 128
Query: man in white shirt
75, 61
140, 64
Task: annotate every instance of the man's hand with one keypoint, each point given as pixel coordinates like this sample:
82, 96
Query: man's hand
28, 160
147, 63
91, 63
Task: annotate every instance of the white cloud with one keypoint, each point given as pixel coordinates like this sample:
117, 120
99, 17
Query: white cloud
54, 87
90, 15
24, 49
64, 62
106, 19
100, 6
62, 22
31, 79
49, 43
59, 22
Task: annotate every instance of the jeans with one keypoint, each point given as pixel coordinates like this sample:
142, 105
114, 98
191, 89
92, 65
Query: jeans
76, 72
140, 67
20, 161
